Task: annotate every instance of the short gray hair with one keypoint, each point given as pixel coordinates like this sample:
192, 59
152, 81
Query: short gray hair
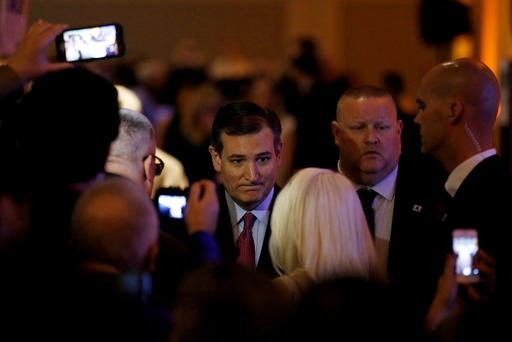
135, 130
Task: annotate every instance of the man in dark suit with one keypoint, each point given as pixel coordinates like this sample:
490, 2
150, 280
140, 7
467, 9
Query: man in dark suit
458, 102
246, 152
404, 199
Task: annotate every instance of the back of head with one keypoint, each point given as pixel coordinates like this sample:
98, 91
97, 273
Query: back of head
135, 134
71, 117
135, 140
224, 302
351, 309
114, 223
241, 118
472, 82
318, 225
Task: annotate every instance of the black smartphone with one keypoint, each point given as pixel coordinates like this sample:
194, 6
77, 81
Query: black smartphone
90, 43
171, 202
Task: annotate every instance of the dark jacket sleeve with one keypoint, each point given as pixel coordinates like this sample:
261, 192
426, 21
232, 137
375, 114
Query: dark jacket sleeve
10, 82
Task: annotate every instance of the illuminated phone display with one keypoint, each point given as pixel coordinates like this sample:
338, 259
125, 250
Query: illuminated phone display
465, 246
90, 43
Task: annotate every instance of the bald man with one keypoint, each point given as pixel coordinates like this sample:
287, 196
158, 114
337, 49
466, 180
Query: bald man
115, 228
115, 238
458, 104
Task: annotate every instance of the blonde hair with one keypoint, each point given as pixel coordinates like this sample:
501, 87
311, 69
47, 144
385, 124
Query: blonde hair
318, 225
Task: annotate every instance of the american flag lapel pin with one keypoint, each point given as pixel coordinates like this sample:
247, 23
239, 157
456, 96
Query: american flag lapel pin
417, 208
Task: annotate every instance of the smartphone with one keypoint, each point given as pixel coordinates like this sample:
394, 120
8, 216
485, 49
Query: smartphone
465, 246
171, 202
90, 43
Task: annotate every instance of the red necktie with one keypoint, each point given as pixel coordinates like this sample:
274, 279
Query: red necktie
245, 242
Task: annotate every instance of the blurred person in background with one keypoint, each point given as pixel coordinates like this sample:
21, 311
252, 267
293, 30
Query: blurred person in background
187, 135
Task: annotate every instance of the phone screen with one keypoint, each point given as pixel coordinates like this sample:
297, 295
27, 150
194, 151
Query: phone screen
465, 246
90, 43
172, 206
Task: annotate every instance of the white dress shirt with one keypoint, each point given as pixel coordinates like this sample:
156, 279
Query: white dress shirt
462, 170
262, 213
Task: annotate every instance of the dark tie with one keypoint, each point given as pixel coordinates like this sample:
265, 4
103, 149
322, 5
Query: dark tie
245, 242
367, 196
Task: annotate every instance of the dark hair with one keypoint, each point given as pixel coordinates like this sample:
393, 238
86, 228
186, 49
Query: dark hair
241, 118
71, 117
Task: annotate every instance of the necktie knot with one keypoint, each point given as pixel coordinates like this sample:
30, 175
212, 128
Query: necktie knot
366, 196
249, 220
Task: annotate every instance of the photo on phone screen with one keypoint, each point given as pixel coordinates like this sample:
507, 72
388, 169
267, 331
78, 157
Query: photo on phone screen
172, 206
171, 202
465, 246
90, 43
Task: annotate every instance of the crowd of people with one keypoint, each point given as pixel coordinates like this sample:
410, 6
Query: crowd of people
289, 231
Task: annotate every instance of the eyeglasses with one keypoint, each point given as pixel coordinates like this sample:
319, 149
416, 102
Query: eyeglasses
159, 164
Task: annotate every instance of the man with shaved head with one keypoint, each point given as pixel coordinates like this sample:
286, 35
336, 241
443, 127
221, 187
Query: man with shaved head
115, 228
114, 235
458, 103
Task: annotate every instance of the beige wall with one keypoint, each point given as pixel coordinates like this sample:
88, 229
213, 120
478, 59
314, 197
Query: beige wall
382, 35
364, 36
153, 28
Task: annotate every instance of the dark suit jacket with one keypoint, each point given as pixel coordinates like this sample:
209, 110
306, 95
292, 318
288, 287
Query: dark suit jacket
483, 202
418, 242
226, 241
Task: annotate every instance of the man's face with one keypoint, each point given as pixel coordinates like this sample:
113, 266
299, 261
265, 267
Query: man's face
248, 166
430, 118
367, 134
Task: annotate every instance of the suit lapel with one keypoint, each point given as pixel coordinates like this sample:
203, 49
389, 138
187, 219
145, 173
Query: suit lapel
224, 233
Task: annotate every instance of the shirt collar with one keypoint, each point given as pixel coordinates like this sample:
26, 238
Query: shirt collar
261, 211
460, 173
385, 188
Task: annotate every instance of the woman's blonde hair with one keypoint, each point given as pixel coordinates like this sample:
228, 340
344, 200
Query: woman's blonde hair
318, 225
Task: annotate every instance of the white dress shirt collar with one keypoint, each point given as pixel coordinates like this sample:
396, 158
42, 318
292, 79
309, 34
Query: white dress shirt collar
460, 173
385, 188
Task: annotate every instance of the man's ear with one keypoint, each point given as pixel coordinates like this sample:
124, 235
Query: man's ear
400, 125
278, 153
150, 258
455, 113
148, 175
216, 158
335, 132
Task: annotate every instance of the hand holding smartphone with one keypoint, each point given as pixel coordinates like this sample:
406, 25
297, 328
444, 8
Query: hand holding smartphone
90, 43
465, 247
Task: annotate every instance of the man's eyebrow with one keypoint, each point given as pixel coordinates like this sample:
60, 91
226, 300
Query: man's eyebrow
236, 156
